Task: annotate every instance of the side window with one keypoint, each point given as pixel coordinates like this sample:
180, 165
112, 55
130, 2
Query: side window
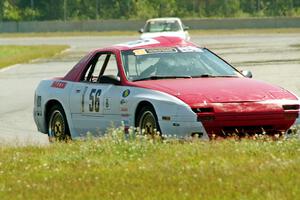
94, 68
111, 67
101, 65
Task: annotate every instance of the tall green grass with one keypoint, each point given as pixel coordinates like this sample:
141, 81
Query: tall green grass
131, 167
13, 54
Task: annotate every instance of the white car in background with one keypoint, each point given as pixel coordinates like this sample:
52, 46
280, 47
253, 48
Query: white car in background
165, 27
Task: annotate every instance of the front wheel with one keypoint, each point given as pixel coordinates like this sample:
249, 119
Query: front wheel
147, 121
58, 129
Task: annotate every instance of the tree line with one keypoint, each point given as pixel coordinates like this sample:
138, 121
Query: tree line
27, 10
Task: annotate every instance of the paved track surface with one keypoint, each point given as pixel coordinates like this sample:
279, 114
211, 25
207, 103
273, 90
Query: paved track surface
274, 58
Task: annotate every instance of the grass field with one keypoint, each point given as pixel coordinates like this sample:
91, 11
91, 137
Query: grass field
11, 54
135, 33
136, 168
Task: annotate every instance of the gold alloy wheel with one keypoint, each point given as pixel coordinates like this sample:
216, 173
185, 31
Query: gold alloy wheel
148, 123
57, 127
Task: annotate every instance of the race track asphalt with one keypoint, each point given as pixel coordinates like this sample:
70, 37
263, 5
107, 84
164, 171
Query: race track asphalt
274, 58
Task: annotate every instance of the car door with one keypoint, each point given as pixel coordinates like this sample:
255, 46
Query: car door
95, 101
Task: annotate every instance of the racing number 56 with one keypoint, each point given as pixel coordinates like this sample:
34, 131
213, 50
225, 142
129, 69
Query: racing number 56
94, 105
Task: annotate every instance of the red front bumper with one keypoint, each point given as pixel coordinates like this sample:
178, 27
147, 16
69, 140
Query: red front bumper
247, 118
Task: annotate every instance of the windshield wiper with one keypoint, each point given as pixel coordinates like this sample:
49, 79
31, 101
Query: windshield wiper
160, 77
213, 76
203, 76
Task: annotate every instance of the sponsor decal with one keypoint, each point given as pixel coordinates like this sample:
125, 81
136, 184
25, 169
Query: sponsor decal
139, 52
123, 102
107, 103
126, 125
126, 122
161, 50
59, 84
126, 93
124, 109
190, 49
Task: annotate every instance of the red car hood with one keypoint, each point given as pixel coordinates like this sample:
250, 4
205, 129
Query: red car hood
217, 90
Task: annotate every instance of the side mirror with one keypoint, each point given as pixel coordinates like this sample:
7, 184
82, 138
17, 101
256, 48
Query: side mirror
141, 30
247, 73
185, 28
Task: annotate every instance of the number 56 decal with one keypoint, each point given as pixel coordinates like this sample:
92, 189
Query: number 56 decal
94, 105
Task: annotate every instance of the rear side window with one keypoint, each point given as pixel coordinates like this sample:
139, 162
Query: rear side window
100, 65
111, 68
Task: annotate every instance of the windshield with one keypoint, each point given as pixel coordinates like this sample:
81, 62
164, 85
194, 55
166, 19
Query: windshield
161, 26
177, 62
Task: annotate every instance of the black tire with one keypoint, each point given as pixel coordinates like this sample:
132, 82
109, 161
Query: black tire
58, 129
147, 121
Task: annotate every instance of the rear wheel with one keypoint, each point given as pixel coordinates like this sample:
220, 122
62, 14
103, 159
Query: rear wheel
58, 129
147, 121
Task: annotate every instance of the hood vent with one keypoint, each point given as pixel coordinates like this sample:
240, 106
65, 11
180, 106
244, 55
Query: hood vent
203, 110
291, 107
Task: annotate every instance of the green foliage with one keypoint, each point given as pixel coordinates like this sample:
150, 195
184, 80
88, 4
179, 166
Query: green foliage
11, 12
14, 10
136, 167
29, 14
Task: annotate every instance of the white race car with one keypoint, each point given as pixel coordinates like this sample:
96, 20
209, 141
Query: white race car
164, 84
165, 27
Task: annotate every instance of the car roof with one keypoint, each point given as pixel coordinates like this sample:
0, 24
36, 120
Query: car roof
161, 41
164, 19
